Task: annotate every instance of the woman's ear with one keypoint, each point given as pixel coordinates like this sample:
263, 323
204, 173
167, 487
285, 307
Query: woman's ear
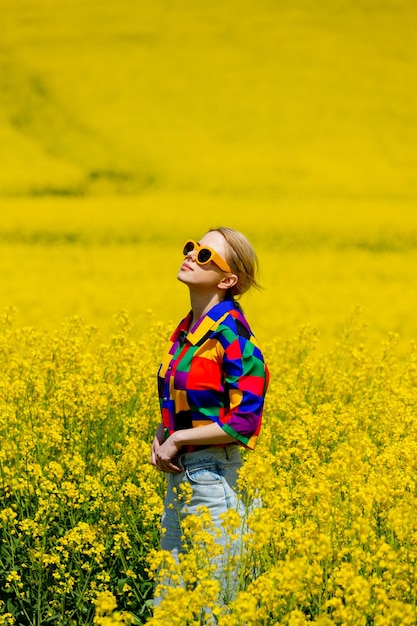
228, 282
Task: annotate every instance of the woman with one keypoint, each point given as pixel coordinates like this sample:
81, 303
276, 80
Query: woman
212, 383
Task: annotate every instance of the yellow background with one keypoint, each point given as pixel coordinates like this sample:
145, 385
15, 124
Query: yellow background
126, 127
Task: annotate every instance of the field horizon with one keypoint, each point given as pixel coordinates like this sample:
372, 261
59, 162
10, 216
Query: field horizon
92, 257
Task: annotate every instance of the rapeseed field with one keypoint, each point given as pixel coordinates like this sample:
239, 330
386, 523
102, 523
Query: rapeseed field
333, 543
125, 128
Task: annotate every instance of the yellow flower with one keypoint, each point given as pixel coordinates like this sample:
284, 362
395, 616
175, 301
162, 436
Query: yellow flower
106, 614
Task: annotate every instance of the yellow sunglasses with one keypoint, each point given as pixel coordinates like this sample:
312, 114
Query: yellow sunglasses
205, 254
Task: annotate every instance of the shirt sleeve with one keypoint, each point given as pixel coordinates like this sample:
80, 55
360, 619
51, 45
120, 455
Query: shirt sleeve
246, 380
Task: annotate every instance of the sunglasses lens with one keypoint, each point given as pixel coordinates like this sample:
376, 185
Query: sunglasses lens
188, 247
204, 255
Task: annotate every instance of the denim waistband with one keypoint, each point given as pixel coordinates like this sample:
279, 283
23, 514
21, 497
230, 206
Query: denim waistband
215, 453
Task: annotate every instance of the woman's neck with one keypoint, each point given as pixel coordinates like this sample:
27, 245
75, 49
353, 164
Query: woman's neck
201, 303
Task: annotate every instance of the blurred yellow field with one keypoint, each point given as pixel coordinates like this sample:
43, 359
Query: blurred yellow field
125, 127
267, 98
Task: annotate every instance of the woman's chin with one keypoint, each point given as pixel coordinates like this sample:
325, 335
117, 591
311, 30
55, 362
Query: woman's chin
182, 276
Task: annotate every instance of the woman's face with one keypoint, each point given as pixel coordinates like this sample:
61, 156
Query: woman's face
204, 277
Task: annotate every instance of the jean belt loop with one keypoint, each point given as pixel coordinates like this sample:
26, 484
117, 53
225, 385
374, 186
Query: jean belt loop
227, 453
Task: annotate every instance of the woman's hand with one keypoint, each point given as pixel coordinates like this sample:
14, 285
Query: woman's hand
165, 454
162, 452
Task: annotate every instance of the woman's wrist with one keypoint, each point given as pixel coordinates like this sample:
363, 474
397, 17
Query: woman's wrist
178, 438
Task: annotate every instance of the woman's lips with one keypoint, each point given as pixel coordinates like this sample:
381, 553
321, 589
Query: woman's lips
185, 266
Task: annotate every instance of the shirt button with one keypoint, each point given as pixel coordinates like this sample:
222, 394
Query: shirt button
165, 399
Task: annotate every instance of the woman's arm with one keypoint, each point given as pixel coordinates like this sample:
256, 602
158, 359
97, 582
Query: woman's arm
207, 435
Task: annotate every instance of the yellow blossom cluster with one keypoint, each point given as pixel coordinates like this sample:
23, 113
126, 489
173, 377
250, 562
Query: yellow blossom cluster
106, 613
80, 502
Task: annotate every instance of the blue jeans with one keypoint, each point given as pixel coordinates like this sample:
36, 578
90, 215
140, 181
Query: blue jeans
212, 474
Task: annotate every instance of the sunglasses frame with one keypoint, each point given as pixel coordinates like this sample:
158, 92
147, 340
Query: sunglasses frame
214, 256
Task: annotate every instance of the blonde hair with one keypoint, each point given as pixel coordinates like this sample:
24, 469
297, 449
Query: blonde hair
242, 259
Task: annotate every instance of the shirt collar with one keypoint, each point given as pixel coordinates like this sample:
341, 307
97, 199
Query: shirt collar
208, 322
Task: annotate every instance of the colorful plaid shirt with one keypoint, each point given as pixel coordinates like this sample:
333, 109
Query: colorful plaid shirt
214, 372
